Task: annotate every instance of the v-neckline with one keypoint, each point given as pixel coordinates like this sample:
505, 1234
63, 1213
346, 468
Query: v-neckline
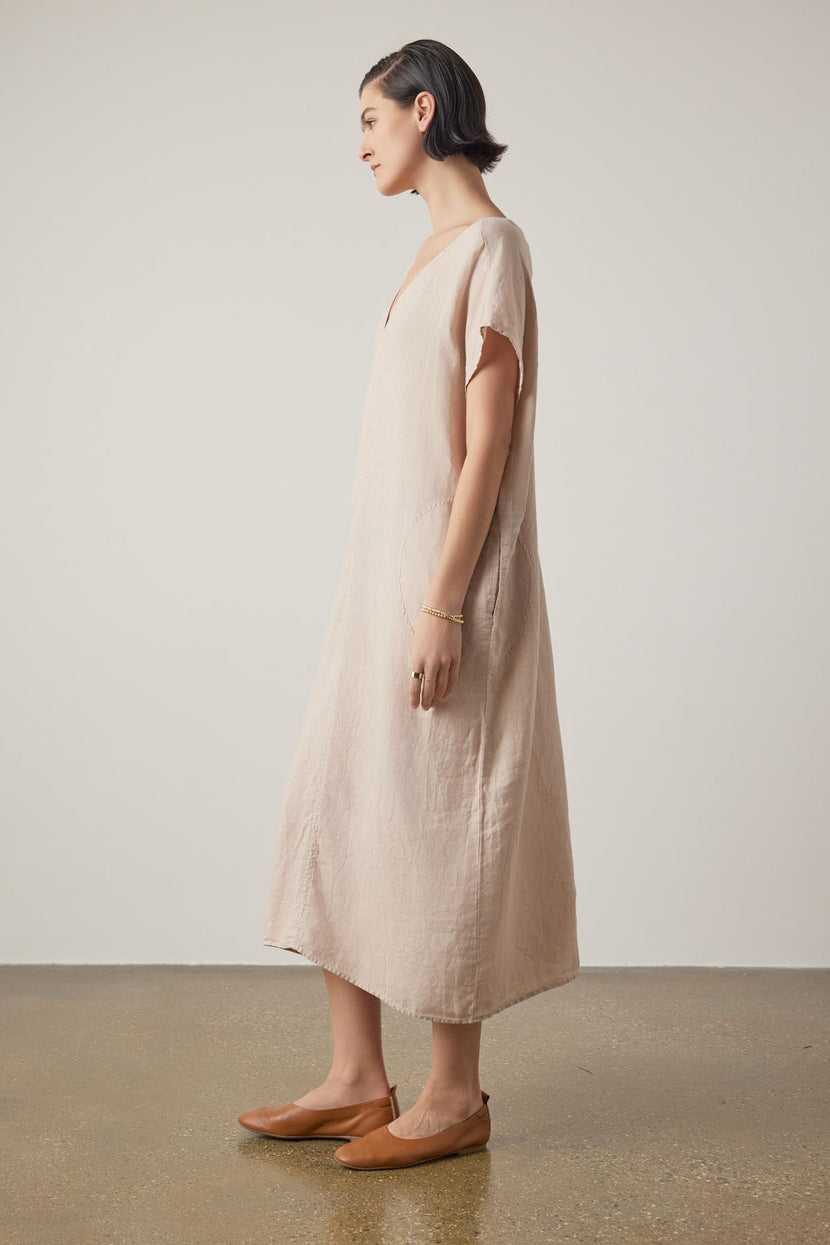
430, 262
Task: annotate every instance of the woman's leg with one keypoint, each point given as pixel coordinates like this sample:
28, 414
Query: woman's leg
452, 1090
357, 1071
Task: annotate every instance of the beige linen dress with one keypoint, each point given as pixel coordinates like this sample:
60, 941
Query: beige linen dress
425, 855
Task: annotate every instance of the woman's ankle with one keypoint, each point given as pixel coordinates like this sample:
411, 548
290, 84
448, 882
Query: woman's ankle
370, 1084
446, 1092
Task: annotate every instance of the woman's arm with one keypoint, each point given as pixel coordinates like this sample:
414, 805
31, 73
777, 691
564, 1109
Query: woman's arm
491, 402
491, 396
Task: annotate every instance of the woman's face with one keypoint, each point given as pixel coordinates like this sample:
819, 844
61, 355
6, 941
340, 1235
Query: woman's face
393, 138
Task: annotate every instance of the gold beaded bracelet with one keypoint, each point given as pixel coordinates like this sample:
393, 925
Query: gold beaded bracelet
459, 618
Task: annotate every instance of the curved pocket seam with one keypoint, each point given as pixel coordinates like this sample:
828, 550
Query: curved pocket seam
523, 620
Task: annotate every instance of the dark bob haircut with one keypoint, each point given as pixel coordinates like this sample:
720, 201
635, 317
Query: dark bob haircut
458, 127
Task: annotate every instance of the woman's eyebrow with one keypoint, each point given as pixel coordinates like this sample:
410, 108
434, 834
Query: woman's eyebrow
365, 110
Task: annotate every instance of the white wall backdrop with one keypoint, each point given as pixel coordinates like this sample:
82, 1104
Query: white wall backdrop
193, 264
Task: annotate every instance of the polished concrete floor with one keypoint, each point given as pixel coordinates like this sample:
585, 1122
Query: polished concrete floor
630, 1105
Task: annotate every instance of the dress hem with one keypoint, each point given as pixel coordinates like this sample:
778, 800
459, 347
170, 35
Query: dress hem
560, 980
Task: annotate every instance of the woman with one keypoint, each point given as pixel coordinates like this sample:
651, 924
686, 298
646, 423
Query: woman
424, 857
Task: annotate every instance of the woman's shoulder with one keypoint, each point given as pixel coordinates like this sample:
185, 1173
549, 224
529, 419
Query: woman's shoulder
502, 229
500, 225
501, 236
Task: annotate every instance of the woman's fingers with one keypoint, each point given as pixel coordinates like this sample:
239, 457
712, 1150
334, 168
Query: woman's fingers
441, 680
415, 688
436, 651
434, 684
428, 688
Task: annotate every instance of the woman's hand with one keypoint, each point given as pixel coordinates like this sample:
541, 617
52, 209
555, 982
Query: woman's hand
435, 649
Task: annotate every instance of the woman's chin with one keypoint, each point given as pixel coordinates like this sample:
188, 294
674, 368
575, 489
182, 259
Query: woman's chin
389, 189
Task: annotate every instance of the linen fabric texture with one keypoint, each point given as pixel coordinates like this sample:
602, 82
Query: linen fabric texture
425, 855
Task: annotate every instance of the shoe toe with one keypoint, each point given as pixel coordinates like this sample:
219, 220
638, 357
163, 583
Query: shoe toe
354, 1153
258, 1119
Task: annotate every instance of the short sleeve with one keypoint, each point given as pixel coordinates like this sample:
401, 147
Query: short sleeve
497, 298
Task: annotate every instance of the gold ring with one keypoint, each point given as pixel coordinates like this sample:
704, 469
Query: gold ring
417, 674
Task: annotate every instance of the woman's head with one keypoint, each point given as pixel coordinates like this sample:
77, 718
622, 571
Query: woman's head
422, 100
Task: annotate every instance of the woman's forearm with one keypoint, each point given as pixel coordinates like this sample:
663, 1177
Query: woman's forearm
473, 505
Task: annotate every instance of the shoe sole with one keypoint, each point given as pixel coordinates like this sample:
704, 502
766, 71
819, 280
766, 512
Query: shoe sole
433, 1158
305, 1136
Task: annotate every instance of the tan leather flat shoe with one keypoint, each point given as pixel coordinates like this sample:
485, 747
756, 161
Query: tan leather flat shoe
380, 1148
291, 1122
